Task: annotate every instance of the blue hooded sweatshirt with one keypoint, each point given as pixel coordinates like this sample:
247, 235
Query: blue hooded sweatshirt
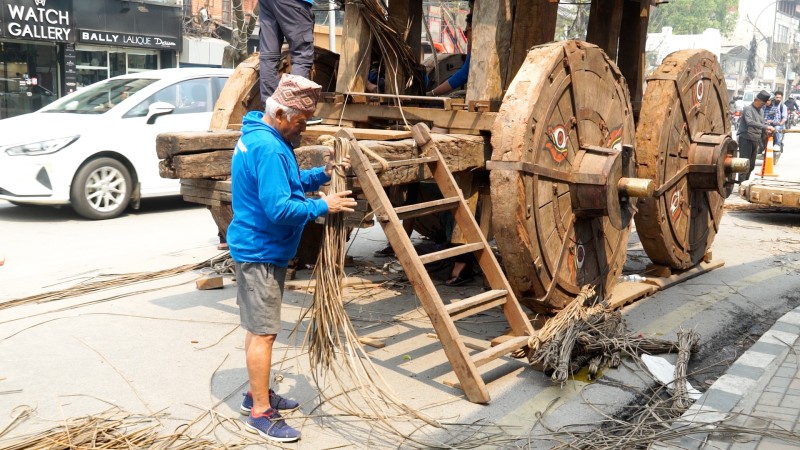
270, 208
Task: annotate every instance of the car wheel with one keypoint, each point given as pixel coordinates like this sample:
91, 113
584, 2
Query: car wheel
101, 189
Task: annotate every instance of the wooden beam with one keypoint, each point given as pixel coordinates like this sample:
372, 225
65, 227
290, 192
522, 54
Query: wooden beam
453, 119
186, 142
491, 38
605, 22
534, 24
632, 39
354, 62
404, 14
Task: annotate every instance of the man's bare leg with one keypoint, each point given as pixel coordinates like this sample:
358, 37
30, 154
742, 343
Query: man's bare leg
258, 354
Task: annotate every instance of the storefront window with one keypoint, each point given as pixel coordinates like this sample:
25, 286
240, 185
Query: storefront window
142, 62
28, 77
118, 63
92, 67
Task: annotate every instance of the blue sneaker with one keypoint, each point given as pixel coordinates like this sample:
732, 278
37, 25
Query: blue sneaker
271, 426
275, 401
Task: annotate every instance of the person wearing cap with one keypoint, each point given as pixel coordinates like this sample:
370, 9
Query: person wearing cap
279, 19
751, 125
270, 209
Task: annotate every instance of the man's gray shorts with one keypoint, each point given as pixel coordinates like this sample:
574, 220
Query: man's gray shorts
259, 294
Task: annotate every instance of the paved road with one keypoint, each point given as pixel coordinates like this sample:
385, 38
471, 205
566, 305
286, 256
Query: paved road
166, 346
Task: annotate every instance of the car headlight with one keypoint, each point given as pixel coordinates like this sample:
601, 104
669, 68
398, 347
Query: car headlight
39, 148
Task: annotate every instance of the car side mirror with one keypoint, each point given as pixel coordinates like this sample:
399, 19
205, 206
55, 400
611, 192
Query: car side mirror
158, 109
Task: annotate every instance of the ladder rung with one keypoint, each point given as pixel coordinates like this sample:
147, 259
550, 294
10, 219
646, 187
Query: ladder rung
499, 350
450, 252
423, 209
474, 305
411, 162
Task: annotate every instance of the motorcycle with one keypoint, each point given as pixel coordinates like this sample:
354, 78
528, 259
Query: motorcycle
791, 119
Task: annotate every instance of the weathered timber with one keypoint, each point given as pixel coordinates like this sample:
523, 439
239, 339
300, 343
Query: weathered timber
165, 170
491, 38
236, 96
632, 39
466, 120
187, 142
352, 75
220, 191
534, 24
460, 153
203, 165
309, 137
605, 22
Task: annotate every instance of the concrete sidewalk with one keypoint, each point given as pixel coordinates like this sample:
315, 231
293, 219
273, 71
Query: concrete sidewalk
761, 390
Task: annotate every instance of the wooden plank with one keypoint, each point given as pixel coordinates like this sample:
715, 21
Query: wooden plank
352, 75
491, 36
626, 292
202, 201
165, 170
534, 24
186, 142
632, 40
473, 305
359, 133
451, 252
423, 209
605, 22
192, 191
203, 165
222, 185
499, 350
688, 274
455, 119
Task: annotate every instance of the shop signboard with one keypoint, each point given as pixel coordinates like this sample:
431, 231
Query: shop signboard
127, 40
38, 20
70, 69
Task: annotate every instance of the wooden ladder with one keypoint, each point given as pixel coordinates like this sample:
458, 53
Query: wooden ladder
443, 316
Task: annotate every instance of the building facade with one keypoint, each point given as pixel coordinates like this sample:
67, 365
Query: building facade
49, 48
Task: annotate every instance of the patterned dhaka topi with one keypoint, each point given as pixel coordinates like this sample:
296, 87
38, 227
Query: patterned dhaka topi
297, 92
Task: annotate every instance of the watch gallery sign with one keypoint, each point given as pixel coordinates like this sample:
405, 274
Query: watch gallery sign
126, 39
38, 20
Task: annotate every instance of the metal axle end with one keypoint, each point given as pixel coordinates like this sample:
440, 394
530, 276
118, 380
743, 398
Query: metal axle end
636, 187
737, 165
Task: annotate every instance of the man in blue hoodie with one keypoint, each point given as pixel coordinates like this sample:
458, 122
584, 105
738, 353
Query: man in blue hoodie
270, 210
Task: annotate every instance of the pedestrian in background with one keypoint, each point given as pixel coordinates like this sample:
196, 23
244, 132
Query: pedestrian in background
279, 19
270, 210
751, 125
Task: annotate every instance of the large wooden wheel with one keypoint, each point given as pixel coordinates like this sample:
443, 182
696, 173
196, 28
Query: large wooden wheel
562, 147
683, 144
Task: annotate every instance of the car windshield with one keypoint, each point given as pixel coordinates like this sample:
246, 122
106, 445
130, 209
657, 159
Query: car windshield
749, 96
99, 97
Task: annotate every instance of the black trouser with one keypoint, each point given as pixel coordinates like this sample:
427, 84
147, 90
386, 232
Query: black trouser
279, 19
747, 149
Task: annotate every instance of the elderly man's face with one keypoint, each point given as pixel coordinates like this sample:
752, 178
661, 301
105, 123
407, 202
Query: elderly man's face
290, 129
758, 103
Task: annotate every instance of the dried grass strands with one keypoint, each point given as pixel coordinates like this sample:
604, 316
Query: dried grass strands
115, 282
686, 341
395, 52
342, 370
112, 429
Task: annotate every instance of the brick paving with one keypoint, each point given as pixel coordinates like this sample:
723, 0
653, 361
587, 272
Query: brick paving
761, 390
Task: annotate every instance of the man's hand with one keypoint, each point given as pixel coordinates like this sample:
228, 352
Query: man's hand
345, 164
339, 202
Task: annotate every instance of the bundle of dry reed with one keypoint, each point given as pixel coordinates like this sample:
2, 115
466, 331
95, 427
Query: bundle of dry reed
588, 332
342, 369
219, 263
112, 429
390, 37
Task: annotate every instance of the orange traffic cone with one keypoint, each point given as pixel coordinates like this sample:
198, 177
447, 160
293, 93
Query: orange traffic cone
769, 155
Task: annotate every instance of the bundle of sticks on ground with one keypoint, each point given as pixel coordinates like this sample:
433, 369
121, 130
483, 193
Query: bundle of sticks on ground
588, 332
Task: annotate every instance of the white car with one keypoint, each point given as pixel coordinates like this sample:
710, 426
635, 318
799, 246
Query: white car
95, 148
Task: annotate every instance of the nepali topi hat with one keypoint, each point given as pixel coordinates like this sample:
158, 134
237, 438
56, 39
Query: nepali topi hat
297, 92
763, 96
